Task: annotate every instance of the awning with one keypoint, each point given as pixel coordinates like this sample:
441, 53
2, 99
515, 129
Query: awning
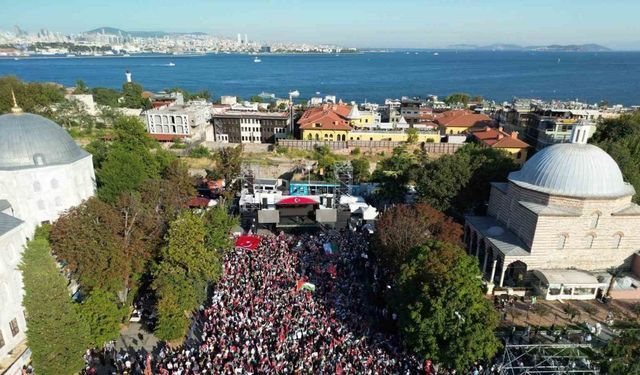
292, 201
567, 277
248, 242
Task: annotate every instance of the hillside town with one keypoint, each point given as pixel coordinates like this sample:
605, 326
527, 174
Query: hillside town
108, 41
315, 235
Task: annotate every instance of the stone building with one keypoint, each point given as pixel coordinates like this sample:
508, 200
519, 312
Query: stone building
250, 126
190, 121
568, 208
42, 173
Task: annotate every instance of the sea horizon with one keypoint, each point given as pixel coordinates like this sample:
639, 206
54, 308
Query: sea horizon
364, 76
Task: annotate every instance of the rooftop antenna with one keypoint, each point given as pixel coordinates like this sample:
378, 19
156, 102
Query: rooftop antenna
15, 109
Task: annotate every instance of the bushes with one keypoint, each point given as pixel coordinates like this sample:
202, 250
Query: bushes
199, 151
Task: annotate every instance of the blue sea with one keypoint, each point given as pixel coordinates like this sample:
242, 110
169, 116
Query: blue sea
591, 77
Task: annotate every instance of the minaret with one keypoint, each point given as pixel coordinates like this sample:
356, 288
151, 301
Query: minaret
15, 109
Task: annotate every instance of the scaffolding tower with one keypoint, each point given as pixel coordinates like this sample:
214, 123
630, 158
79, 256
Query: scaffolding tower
344, 175
553, 359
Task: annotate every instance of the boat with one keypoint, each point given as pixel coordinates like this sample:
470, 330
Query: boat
126, 55
71, 55
436, 54
257, 60
16, 59
171, 64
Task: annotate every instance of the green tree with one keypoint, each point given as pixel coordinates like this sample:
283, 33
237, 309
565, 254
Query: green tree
218, 225
457, 98
103, 315
92, 225
462, 181
31, 97
99, 149
132, 96
107, 97
187, 266
412, 135
395, 173
360, 170
620, 138
129, 162
621, 354
442, 312
57, 335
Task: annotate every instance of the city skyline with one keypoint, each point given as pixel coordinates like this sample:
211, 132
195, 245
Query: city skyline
373, 24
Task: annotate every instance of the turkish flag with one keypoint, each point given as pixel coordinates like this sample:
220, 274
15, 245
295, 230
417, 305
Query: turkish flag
248, 242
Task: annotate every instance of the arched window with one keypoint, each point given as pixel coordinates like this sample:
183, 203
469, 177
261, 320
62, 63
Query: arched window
562, 241
616, 240
588, 240
595, 219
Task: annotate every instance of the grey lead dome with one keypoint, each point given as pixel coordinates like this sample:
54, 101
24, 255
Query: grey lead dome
31, 141
574, 170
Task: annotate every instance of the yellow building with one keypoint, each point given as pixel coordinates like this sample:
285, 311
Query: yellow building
359, 119
392, 135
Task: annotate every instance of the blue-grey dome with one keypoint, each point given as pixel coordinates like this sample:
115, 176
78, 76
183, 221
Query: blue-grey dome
30, 141
575, 170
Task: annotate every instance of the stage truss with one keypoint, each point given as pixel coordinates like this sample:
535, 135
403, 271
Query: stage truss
556, 359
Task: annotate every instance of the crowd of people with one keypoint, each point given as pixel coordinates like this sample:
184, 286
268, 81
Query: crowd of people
262, 321
296, 304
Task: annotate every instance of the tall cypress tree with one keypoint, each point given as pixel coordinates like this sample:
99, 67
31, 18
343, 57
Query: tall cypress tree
56, 334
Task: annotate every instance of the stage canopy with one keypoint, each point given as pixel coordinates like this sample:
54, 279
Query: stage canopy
292, 201
248, 242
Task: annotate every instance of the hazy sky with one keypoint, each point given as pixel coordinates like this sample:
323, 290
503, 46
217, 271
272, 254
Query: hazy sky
358, 23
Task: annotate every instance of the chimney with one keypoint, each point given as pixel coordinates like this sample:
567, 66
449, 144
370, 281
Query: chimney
500, 135
486, 128
514, 135
500, 128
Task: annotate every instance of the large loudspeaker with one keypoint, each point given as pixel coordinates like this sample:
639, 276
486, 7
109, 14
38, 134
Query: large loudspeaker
268, 217
326, 215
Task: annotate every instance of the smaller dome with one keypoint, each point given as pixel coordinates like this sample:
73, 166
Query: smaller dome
574, 170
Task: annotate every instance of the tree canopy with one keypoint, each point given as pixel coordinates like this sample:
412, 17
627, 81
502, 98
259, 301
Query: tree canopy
187, 266
622, 353
620, 138
394, 173
31, 97
462, 181
57, 335
442, 312
458, 98
129, 162
403, 227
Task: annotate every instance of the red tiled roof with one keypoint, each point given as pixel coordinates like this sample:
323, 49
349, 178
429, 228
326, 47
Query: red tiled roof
198, 202
166, 137
463, 119
326, 117
498, 138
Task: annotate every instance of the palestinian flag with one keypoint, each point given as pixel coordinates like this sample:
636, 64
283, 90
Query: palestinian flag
308, 286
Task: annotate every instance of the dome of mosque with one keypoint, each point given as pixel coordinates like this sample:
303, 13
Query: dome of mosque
30, 141
575, 170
